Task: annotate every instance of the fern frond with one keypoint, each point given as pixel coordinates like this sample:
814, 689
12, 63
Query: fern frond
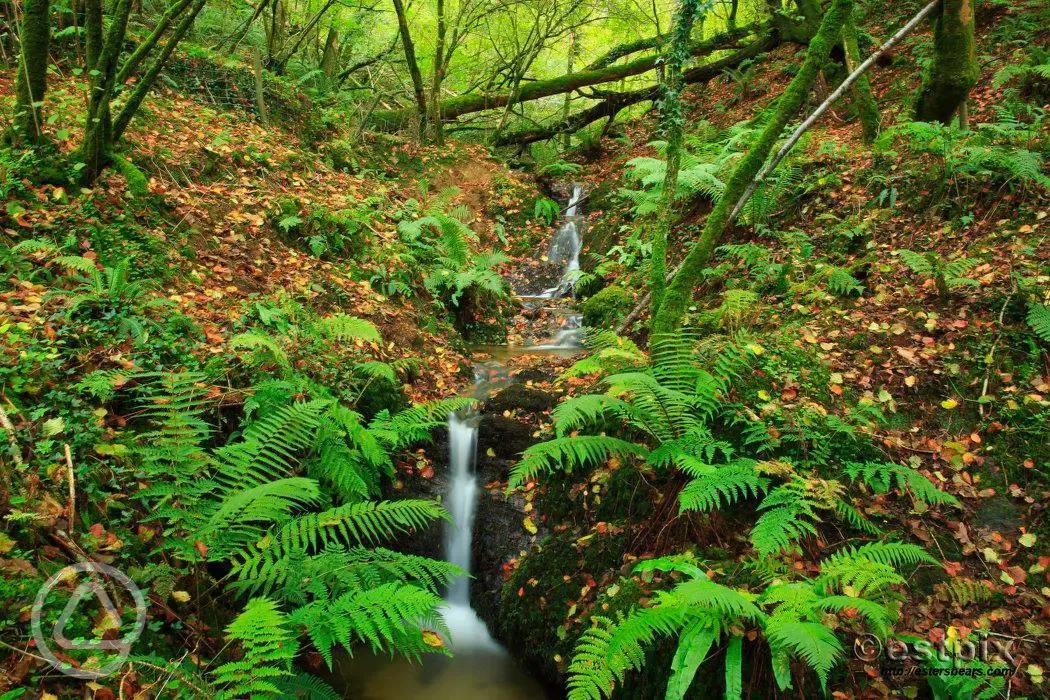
569, 453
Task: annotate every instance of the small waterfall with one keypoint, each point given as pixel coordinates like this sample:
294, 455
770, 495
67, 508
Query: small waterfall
467, 630
565, 247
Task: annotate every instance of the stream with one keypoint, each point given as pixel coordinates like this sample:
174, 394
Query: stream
481, 669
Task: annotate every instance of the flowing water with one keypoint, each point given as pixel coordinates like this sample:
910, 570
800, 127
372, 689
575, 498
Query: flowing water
480, 669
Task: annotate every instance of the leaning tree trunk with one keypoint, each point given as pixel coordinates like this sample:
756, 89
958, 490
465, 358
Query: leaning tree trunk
672, 117
954, 70
34, 34
862, 97
680, 290
413, 67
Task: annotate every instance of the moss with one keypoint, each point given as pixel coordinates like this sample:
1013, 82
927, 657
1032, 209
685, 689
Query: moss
607, 308
540, 594
954, 70
138, 183
861, 95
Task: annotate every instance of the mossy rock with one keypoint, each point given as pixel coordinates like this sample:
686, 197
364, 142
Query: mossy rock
537, 599
520, 397
607, 308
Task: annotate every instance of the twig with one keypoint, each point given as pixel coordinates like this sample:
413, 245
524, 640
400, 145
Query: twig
72, 489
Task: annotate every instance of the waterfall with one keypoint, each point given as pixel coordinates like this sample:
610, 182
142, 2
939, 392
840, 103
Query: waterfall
566, 246
467, 630
462, 502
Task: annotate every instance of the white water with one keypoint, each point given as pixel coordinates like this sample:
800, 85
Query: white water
466, 629
566, 246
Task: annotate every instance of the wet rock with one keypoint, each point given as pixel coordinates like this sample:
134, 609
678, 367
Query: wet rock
998, 513
498, 538
502, 437
518, 396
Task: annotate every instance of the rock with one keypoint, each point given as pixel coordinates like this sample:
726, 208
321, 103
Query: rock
506, 437
998, 513
517, 396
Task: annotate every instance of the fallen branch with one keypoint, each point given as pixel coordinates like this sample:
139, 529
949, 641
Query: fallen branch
795, 136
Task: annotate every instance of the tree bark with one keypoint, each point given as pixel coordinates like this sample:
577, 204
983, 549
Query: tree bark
680, 290
438, 77
142, 50
467, 104
330, 56
954, 70
672, 119
862, 97
413, 67
31, 83
98, 132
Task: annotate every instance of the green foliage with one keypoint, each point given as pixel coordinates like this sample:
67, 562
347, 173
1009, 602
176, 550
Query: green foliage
842, 283
269, 645
545, 210
792, 616
1039, 320
947, 274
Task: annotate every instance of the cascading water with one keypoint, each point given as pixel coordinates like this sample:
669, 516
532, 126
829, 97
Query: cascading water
565, 247
480, 668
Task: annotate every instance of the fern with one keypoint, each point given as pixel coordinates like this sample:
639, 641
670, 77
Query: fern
843, 284
569, 453
722, 487
788, 514
883, 476
342, 327
269, 646
1039, 320
964, 591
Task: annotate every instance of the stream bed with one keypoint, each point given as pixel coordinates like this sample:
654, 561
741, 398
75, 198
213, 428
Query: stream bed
480, 668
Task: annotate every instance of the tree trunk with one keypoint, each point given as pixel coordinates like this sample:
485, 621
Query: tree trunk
535, 90
330, 55
144, 49
672, 121
98, 131
613, 102
566, 108
31, 83
954, 70
413, 67
863, 99
680, 290
438, 77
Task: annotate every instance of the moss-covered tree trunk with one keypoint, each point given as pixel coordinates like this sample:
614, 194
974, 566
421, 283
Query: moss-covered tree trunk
439, 75
672, 120
31, 83
680, 290
98, 131
954, 70
538, 89
413, 66
863, 98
